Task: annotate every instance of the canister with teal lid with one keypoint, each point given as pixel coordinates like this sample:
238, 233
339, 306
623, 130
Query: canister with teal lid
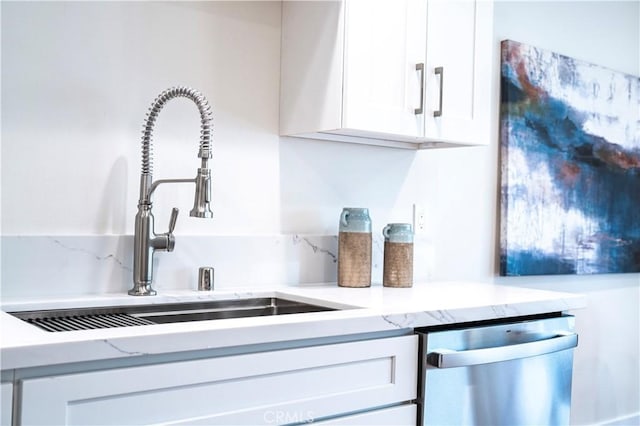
354, 248
398, 255
398, 233
355, 219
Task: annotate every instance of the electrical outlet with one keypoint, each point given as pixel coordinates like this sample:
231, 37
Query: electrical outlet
419, 219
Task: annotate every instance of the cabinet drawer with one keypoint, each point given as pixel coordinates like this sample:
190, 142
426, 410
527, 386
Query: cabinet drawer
397, 416
306, 383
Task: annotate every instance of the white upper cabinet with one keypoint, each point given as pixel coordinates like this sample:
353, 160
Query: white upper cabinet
401, 73
381, 86
459, 41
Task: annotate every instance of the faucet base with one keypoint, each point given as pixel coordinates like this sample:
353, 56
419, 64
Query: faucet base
142, 290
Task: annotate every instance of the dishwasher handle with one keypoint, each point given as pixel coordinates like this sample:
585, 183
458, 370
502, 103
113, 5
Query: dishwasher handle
446, 358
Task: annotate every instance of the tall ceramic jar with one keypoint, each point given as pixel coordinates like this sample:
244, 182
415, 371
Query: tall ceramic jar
398, 255
354, 248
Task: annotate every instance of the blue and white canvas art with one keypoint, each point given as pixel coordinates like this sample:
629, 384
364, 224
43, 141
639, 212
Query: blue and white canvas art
570, 164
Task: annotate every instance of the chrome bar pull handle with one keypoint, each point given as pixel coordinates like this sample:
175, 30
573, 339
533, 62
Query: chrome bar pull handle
444, 358
439, 71
417, 111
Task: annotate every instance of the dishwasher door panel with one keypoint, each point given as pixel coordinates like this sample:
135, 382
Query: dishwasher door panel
508, 374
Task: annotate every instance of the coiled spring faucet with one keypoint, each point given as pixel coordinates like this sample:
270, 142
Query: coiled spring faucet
146, 241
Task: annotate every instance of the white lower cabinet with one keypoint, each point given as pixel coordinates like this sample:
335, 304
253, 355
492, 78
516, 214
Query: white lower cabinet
298, 385
6, 402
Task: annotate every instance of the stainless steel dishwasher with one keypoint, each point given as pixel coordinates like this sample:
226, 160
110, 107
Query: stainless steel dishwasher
516, 373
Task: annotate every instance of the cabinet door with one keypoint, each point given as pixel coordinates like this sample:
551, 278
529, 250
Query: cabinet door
384, 41
6, 402
459, 42
286, 386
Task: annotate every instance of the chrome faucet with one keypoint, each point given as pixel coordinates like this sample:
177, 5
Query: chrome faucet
146, 241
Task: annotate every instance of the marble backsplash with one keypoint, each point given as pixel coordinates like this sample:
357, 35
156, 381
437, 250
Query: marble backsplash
52, 266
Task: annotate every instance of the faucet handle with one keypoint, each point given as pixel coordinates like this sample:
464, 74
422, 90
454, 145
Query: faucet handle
173, 219
171, 240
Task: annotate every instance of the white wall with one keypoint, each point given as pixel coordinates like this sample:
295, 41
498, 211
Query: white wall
78, 77
77, 80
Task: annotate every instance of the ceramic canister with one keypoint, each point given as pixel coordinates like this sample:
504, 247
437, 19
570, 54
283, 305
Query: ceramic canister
398, 255
354, 248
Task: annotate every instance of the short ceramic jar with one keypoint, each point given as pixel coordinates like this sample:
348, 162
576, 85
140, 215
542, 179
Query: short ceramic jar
398, 255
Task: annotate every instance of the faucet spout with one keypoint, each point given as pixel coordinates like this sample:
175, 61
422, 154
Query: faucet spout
202, 201
146, 241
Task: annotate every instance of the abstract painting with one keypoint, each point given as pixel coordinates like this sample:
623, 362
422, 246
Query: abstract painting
570, 165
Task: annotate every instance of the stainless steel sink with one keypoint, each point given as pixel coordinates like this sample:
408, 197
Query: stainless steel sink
126, 316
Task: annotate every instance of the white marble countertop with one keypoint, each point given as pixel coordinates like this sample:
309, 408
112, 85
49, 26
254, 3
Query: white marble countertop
376, 309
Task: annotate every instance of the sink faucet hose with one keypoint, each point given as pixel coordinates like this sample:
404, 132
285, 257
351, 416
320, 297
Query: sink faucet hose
157, 105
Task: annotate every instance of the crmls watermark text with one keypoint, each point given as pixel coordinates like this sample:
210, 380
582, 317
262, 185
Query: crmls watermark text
284, 416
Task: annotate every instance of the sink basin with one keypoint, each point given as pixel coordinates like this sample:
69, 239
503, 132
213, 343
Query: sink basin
126, 316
